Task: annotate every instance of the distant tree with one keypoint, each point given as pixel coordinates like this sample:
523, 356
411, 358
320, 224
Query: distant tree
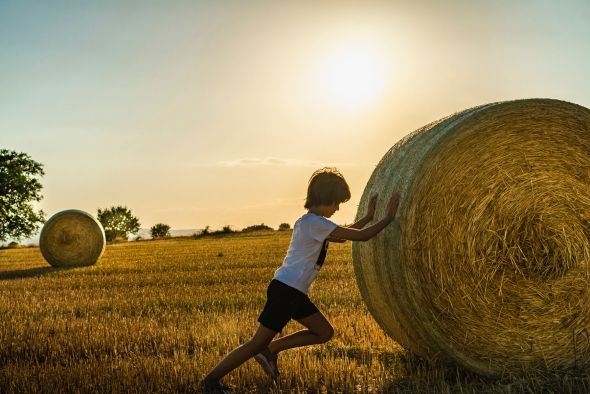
160, 230
256, 227
226, 230
284, 226
19, 187
207, 231
118, 222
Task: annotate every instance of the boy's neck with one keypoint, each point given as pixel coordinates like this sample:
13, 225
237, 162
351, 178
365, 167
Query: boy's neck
324, 210
317, 211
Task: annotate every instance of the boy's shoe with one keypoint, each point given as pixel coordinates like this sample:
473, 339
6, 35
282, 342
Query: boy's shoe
214, 387
268, 362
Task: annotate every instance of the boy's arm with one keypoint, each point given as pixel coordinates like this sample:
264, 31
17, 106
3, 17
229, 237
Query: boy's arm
369, 216
361, 223
336, 240
352, 234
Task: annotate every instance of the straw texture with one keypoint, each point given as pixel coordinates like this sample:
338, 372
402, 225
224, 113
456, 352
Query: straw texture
72, 238
487, 261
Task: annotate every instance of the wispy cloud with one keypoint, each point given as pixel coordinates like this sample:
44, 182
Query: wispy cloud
273, 161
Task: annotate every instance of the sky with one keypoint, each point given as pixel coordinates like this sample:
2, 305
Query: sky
195, 113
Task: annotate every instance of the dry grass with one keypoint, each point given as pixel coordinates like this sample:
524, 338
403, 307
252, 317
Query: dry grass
154, 316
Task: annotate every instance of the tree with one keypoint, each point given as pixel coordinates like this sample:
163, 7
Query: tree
118, 222
19, 187
207, 231
256, 227
160, 230
284, 226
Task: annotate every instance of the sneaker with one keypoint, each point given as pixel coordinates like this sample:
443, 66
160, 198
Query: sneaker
268, 362
214, 387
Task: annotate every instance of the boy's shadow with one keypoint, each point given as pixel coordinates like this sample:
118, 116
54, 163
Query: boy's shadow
29, 273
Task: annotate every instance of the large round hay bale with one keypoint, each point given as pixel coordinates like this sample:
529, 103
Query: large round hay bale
72, 238
486, 263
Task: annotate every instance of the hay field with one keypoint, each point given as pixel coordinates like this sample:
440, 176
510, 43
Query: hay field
154, 316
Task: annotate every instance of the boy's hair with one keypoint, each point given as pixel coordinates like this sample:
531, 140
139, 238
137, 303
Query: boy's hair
326, 187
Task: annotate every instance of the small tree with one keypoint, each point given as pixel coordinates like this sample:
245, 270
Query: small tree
160, 230
19, 187
284, 226
118, 222
256, 227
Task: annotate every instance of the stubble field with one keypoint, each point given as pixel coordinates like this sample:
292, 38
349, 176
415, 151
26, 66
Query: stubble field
155, 316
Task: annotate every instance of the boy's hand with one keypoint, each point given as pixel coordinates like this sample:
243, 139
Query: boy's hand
392, 206
371, 207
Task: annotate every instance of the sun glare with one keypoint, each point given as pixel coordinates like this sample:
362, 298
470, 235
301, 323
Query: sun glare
352, 77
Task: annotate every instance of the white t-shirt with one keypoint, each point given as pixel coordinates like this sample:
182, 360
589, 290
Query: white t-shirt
307, 251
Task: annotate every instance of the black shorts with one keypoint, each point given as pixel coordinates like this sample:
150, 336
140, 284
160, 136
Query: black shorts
284, 303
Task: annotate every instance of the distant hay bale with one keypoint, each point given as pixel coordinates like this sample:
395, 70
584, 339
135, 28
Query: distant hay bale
487, 261
72, 238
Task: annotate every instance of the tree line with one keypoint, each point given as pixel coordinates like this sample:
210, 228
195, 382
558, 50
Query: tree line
20, 188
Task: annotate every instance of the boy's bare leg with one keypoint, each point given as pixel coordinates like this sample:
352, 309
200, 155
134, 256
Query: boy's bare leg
319, 330
242, 353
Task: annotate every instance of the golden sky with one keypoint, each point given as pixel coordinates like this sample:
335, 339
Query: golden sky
214, 113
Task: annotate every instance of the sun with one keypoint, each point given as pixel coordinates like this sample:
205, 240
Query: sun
352, 77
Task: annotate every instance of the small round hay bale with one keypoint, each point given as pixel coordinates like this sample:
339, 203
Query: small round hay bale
72, 238
487, 261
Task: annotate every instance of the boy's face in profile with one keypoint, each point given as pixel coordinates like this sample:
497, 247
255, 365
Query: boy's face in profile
328, 210
333, 208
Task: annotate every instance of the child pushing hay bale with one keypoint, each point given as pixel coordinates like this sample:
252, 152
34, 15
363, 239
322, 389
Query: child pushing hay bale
487, 261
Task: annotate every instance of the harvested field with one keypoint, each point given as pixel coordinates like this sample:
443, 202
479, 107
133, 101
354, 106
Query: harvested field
154, 316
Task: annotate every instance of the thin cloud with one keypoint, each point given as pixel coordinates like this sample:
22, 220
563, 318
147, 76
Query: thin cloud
273, 161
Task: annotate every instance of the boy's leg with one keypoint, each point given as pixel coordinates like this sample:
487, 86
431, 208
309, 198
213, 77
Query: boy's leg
319, 330
242, 353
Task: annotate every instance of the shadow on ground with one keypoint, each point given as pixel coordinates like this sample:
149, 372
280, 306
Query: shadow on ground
29, 273
416, 374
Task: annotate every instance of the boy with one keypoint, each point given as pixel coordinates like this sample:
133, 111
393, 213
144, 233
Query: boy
287, 292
